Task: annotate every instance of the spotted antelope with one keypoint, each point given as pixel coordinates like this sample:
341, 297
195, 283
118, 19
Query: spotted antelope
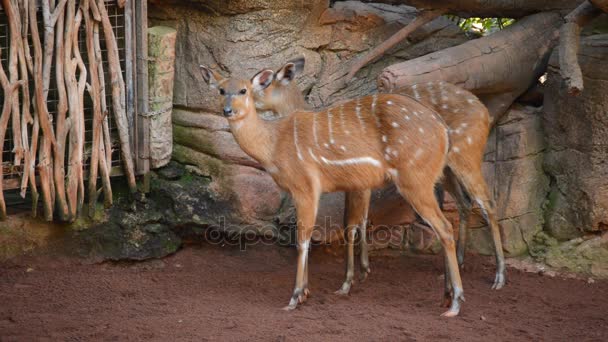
358, 145
468, 122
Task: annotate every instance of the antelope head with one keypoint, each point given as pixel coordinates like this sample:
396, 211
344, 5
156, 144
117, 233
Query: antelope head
237, 94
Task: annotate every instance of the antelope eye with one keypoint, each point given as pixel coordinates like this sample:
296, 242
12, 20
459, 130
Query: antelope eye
243, 91
222, 91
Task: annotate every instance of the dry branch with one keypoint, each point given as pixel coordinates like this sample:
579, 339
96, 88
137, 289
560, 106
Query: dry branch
94, 92
9, 90
422, 18
75, 121
45, 163
26, 119
50, 16
568, 44
118, 96
12, 12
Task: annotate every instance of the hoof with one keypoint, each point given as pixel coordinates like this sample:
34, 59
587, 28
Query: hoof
298, 297
364, 274
450, 313
454, 305
499, 281
345, 289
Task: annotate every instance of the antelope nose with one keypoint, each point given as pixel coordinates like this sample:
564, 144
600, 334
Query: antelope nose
228, 111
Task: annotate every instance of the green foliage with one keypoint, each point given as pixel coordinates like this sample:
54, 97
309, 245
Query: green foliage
482, 26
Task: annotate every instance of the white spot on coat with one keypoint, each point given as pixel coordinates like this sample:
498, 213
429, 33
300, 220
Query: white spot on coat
421, 130
456, 149
469, 140
394, 124
384, 138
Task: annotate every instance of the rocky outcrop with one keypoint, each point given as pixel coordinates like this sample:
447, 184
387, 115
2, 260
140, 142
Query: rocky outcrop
577, 138
513, 169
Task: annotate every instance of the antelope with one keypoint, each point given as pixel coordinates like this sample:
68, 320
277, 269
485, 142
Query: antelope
357, 145
468, 122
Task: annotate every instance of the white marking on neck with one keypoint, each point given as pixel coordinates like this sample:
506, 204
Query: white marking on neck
295, 137
393, 172
353, 161
329, 127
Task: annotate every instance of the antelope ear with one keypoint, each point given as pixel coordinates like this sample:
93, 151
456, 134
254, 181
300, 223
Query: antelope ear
211, 77
262, 79
288, 72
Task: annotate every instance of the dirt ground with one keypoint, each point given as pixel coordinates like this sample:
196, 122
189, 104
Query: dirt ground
211, 292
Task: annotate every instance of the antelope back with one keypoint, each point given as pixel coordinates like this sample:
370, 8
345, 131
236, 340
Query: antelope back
466, 116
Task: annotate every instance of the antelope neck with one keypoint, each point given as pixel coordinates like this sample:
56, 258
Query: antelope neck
255, 136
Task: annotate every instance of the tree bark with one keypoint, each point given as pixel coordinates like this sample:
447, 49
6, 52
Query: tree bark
569, 41
9, 91
505, 63
422, 18
488, 9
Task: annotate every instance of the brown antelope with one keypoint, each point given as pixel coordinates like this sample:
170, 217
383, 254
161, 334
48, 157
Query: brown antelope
468, 122
357, 145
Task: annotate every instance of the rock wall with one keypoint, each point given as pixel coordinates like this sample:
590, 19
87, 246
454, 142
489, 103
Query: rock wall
577, 137
242, 37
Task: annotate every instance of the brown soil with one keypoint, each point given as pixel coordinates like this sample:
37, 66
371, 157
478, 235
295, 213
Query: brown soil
210, 293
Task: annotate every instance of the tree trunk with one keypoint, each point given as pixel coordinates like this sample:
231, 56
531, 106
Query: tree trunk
505, 63
489, 9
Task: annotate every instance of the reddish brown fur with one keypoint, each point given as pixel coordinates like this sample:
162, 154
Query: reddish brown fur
468, 120
354, 146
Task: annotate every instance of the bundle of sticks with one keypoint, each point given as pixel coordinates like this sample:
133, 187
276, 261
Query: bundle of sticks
53, 154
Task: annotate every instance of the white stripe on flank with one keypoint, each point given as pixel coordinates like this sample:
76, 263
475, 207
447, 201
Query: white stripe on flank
374, 100
358, 112
314, 129
295, 138
312, 155
342, 121
353, 161
329, 127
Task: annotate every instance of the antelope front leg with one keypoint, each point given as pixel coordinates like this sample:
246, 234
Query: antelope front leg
306, 208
